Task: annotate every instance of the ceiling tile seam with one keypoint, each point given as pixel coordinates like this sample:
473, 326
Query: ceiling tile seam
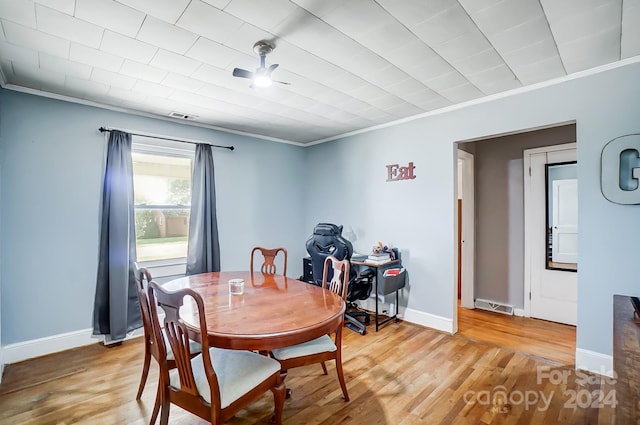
35, 15
363, 78
489, 98
250, 109
621, 23
299, 75
296, 93
345, 70
3, 78
72, 16
431, 49
140, 29
99, 49
493, 47
182, 13
624, 62
319, 116
317, 82
187, 57
56, 96
553, 37
257, 97
68, 55
596, 33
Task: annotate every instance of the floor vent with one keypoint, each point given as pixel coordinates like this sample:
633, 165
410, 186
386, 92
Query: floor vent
493, 306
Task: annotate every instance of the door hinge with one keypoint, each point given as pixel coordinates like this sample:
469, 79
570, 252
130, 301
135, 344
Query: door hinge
529, 171
529, 295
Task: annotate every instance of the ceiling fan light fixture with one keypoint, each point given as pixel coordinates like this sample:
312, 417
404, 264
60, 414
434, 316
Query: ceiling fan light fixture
262, 81
261, 78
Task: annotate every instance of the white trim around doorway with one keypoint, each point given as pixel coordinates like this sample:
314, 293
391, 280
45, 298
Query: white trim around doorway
467, 298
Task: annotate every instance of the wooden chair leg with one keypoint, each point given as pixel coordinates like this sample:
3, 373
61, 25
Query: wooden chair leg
156, 406
145, 371
164, 407
324, 368
279, 394
283, 375
343, 385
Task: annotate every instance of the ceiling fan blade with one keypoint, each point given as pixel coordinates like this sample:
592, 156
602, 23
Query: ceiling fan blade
242, 73
271, 68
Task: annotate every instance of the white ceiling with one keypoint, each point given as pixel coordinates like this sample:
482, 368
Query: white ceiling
352, 64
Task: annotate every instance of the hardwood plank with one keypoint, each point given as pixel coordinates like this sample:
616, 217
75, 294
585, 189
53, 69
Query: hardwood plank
549, 340
403, 374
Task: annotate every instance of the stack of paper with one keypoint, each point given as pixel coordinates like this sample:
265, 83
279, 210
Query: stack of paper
379, 258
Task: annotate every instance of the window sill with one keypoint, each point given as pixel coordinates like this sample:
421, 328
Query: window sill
166, 268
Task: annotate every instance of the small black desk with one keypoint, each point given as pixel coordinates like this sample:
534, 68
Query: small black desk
394, 286
307, 276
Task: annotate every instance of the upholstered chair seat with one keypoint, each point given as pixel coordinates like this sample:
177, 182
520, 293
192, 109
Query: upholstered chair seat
318, 345
238, 372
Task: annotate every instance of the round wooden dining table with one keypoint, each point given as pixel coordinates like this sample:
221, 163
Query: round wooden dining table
274, 311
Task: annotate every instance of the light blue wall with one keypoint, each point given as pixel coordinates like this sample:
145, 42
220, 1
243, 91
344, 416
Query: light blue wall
51, 165
51, 161
418, 215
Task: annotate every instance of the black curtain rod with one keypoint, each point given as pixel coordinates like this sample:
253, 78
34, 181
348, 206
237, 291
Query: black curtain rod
103, 129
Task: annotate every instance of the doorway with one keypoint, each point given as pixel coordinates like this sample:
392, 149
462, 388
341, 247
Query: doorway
498, 262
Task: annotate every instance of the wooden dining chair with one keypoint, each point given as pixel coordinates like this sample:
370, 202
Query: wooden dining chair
217, 383
324, 348
269, 264
143, 277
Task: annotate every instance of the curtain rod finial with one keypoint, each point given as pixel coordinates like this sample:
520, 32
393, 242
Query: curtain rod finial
102, 129
231, 148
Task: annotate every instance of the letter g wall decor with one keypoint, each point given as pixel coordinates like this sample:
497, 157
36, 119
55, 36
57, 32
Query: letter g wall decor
620, 170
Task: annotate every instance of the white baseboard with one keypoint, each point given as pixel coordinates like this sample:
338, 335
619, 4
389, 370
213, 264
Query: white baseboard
20, 351
518, 312
410, 315
429, 320
592, 361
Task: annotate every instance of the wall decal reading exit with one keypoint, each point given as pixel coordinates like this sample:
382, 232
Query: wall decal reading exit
396, 173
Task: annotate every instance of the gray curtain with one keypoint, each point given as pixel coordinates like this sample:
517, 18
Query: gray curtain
204, 248
116, 310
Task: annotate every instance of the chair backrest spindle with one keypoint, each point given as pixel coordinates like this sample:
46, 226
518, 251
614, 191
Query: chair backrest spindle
178, 336
339, 282
268, 265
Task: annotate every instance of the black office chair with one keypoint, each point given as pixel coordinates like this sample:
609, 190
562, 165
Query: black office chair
327, 240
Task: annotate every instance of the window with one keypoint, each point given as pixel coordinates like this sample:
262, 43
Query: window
162, 197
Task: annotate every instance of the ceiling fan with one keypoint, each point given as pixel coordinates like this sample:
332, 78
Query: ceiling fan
262, 76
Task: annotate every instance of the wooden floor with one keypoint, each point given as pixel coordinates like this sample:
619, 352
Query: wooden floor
549, 340
404, 374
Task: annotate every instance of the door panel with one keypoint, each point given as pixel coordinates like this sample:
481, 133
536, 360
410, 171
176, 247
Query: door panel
565, 219
553, 293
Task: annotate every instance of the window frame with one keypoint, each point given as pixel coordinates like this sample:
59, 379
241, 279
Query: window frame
151, 146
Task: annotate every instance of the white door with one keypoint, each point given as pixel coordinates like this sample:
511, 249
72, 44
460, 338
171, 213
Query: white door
565, 221
550, 294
